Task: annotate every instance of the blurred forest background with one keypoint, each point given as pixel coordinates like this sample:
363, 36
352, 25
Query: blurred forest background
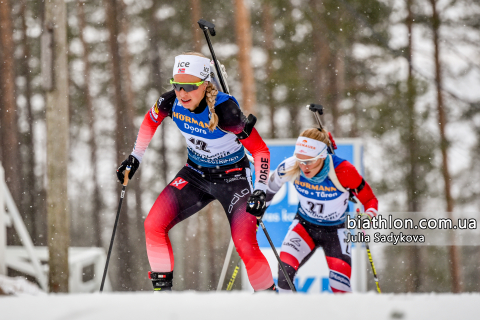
403, 75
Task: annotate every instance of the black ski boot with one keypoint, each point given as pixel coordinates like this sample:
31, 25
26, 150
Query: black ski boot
162, 281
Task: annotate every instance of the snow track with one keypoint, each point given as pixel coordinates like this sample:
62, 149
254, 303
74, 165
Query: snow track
239, 306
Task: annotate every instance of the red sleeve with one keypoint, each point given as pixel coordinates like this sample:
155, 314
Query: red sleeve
154, 117
146, 132
351, 179
259, 150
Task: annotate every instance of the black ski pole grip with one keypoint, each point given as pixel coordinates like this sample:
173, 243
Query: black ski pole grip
206, 24
316, 108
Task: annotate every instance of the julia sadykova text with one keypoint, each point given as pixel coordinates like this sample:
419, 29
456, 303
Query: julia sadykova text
392, 238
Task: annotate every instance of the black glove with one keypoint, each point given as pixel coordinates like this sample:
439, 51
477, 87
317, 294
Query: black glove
256, 203
130, 161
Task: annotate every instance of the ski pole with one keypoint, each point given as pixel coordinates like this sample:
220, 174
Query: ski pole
374, 271
122, 195
206, 27
375, 277
280, 263
234, 275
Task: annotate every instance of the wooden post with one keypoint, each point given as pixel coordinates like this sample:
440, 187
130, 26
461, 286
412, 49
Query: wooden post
57, 143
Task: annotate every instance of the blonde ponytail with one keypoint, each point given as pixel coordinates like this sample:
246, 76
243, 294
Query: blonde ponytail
314, 133
211, 95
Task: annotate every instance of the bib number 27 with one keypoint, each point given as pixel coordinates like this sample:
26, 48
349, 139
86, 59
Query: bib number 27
316, 208
199, 144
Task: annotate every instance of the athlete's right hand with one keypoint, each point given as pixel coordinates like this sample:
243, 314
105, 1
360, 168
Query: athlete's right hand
130, 161
257, 204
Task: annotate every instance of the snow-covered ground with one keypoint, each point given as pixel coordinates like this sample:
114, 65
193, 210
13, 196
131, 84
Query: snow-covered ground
241, 306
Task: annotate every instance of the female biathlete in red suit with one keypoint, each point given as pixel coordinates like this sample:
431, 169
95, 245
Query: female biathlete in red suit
216, 132
322, 181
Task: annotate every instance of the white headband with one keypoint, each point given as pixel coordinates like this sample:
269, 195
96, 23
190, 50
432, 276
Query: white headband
311, 147
193, 65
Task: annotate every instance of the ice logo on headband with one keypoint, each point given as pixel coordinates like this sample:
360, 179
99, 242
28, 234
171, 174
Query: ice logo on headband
193, 65
183, 64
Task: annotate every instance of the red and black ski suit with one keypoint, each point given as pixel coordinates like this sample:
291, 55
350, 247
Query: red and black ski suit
217, 168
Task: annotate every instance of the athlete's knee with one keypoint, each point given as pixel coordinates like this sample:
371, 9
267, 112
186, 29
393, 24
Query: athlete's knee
147, 224
247, 249
245, 240
152, 224
160, 216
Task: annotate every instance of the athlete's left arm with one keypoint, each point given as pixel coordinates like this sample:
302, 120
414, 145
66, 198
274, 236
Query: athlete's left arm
232, 119
351, 179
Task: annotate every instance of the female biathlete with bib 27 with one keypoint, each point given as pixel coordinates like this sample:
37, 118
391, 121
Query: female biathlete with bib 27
322, 181
216, 132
